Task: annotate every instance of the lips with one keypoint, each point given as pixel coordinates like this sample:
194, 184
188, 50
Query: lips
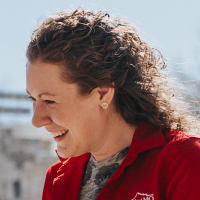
59, 133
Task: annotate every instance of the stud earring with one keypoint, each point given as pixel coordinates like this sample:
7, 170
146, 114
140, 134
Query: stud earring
104, 105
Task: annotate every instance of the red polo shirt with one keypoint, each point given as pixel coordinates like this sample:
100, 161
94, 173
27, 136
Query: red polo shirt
161, 164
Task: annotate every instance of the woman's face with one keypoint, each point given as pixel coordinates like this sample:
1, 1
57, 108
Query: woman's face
60, 108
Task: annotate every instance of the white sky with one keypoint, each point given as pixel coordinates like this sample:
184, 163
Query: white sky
171, 25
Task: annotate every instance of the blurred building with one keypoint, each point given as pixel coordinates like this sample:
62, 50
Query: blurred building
25, 155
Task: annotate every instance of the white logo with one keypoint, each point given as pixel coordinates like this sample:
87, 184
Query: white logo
142, 196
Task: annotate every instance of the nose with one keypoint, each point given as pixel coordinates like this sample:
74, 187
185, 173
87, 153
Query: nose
40, 115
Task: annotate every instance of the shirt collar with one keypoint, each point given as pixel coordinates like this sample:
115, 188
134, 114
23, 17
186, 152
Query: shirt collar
146, 136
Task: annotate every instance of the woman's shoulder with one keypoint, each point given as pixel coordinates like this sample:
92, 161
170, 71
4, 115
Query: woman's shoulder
182, 139
181, 145
183, 167
185, 147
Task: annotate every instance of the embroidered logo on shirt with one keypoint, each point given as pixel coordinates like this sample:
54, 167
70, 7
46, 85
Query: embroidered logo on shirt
142, 196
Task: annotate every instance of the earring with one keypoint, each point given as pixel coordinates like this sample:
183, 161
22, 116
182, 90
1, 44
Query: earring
104, 105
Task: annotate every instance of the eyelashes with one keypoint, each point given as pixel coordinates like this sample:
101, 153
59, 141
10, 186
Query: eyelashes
31, 98
46, 101
49, 102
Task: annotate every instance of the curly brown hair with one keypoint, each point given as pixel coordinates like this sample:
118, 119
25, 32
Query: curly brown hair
97, 51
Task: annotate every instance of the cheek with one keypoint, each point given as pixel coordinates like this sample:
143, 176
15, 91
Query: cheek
62, 115
76, 115
58, 115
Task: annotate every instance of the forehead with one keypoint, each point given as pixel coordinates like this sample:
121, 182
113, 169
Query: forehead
38, 69
45, 77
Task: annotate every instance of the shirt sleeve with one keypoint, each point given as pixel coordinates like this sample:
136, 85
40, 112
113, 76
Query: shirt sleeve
183, 172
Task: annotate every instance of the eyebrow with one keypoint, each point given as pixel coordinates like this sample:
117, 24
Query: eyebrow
44, 93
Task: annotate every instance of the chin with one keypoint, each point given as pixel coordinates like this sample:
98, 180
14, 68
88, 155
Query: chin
66, 153
63, 153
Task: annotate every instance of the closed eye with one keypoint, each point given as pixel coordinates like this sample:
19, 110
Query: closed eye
49, 102
31, 98
46, 101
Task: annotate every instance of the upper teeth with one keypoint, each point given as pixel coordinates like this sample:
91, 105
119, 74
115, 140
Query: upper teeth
54, 134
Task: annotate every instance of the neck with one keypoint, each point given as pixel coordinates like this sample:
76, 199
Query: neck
120, 135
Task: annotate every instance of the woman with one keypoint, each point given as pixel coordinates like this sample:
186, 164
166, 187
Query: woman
99, 90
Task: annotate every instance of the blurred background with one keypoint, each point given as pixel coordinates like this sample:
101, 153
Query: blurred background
26, 153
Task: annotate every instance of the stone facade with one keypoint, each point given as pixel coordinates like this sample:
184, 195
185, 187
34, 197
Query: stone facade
25, 155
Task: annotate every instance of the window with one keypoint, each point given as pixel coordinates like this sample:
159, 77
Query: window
17, 189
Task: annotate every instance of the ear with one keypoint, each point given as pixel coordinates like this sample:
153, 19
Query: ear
106, 95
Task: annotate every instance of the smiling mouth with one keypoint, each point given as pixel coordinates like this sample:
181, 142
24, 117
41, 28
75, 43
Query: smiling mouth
58, 133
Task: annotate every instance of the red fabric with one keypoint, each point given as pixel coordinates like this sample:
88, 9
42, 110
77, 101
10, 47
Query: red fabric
161, 164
